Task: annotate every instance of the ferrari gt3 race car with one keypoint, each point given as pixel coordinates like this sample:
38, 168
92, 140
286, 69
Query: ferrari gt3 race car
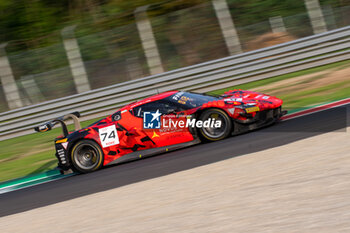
160, 123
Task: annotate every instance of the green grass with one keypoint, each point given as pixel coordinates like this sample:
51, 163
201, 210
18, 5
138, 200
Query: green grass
29, 154
28, 165
34, 153
316, 96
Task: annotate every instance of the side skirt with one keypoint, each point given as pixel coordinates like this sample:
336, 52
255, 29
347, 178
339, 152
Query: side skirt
151, 152
244, 128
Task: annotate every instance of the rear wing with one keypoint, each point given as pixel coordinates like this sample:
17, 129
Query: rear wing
61, 120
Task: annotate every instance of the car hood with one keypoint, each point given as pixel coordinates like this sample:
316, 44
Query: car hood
251, 98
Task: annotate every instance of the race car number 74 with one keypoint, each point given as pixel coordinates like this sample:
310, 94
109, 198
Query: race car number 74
108, 136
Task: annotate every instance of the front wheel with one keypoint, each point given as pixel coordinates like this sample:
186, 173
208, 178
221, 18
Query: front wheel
211, 132
86, 156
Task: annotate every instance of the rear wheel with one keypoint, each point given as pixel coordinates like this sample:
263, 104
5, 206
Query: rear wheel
211, 133
86, 156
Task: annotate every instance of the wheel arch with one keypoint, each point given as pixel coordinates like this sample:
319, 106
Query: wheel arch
200, 111
75, 142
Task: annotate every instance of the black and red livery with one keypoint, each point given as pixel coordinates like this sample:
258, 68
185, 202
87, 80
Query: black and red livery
122, 137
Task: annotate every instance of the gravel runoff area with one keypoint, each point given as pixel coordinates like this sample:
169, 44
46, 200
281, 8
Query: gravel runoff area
300, 187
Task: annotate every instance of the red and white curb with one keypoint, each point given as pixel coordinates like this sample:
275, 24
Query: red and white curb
316, 109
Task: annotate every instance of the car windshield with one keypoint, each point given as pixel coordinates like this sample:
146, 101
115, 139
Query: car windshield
188, 100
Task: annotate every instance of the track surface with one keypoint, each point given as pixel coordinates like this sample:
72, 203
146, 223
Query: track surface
117, 176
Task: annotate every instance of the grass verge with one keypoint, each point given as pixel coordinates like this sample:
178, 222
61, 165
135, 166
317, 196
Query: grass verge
305, 92
29, 154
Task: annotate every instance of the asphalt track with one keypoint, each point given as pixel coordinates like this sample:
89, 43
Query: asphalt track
336, 119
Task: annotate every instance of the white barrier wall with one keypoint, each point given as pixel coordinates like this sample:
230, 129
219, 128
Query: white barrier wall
148, 41
8, 81
75, 61
316, 16
227, 26
277, 24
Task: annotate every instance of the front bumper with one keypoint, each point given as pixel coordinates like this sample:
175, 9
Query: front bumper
261, 119
262, 116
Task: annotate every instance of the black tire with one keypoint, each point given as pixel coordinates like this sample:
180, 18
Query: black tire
215, 134
86, 156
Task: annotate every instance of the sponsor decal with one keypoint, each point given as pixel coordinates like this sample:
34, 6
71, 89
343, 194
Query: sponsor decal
108, 136
155, 135
178, 95
251, 104
231, 110
264, 97
233, 100
252, 109
65, 145
62, 156
61, 140
183, 100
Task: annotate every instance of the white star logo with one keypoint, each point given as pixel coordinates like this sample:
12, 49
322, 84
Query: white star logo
155, 115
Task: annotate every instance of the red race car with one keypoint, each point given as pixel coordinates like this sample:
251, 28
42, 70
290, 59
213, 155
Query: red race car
160, 123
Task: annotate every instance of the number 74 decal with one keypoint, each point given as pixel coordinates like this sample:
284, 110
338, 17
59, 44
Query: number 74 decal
108, 136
